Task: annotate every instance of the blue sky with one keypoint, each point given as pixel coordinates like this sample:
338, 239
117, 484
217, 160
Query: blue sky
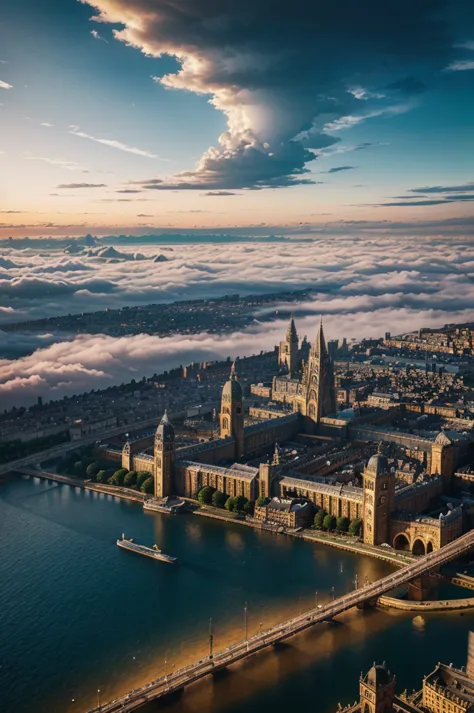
324, 114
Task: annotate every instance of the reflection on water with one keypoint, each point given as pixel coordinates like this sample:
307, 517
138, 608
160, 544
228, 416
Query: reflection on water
93, 616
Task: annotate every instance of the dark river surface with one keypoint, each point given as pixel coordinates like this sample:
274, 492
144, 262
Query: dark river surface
78, 614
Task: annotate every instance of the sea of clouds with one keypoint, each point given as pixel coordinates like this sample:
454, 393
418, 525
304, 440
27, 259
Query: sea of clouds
362, 287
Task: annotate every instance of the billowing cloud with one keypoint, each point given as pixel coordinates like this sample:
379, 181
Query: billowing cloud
461, 65
5, 85
281, 75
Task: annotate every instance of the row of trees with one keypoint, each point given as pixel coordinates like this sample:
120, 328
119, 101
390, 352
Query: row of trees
331, 523
239, 504
86, 466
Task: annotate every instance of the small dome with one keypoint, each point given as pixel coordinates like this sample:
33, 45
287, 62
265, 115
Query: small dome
378, 676
442, 439
165, 431
378, 464
232, 389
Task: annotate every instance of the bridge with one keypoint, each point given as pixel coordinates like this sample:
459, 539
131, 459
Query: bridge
46, 475
172, 682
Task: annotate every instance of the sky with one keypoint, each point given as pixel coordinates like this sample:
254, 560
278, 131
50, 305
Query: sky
128, 116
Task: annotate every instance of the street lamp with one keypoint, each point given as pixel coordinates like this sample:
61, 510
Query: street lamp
246, 625
316, 599
211, 638
332, 590
98, 698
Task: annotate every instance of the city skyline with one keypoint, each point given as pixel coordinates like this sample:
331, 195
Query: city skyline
134, 117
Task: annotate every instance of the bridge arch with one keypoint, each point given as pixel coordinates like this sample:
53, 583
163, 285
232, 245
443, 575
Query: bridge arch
401, 542
418, 547
429, 547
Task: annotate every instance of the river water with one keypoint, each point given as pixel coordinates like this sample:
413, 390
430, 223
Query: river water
78, 614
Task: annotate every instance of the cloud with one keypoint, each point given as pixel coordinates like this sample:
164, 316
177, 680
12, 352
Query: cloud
130, 190
276, 73
96, 36
112, 143
46, 124
336, 169
364, 94
221, 193
461, 65
61, 163
82, 185
444, 189
5, 85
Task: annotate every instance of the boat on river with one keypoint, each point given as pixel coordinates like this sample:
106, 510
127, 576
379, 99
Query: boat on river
153, 552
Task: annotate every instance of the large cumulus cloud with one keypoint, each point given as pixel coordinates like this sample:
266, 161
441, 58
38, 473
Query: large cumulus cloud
283, 72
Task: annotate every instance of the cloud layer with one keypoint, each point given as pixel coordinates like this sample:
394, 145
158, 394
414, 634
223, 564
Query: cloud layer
285, 77
362, 287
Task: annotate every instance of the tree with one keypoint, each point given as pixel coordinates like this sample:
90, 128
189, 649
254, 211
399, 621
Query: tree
249, 507
119, 476
205, 495
261, 501
355, 527
229, 504
219, 499
79, 469
329, 522
147, 485
342, 524
319, 519
101, 476
239, 502
142, 475
130, 479
92, 470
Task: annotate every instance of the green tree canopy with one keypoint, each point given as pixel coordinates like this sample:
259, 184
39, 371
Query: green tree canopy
355, 527
219, 499
319, 519
142, 475
79, 469
261, 501
147, 485
119, 476
329, 522
342, 524
229, 504
130, 479
205, 495
249, 507
239, 502
101, 476
92, 469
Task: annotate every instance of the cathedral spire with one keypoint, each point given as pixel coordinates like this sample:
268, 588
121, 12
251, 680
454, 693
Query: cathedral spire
291, 334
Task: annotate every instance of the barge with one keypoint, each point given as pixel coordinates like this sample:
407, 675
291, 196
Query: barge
153, 552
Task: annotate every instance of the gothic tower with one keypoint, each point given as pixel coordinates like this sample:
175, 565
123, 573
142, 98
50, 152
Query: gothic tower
232, 412
377, 690
442, 458
164, 458
319, 390
288, 351
379, 493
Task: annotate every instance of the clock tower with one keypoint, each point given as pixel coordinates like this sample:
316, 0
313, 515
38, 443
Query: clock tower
379, 489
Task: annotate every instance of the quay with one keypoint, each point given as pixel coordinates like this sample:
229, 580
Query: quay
169, 683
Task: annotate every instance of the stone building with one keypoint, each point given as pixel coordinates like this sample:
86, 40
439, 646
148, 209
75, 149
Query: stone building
379, 494
291, 513
288, 349
445, 690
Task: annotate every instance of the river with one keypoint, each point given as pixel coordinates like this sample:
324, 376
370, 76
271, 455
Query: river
77, 614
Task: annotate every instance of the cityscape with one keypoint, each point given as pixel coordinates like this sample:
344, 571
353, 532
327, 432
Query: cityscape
237, 357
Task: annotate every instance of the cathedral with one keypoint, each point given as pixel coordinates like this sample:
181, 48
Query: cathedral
239, 461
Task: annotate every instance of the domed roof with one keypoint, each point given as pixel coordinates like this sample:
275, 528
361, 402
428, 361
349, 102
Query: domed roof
165, 431
232, 389
378, 676
378, 464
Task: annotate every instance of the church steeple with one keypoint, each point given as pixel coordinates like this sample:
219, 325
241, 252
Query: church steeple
319, 380
288, 351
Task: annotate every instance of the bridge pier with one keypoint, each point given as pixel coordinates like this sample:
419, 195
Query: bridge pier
368, 604
419, 589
